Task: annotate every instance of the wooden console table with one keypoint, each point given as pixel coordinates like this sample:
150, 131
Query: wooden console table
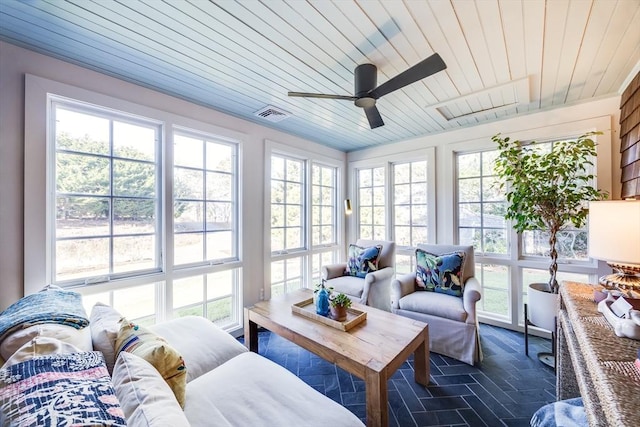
594, 363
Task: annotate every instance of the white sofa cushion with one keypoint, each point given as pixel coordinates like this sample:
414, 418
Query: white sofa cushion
434, 304
349, 285
249, 389
80, 338
103, 322
144, 396
202, 344
40, 346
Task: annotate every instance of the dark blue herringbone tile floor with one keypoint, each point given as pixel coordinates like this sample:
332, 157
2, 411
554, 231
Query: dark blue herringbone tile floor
505, 389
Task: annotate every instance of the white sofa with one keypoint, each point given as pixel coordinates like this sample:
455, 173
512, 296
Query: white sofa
229, 386
226, 385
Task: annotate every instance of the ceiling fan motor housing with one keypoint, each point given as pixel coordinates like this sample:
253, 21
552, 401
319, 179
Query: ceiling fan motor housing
365, 78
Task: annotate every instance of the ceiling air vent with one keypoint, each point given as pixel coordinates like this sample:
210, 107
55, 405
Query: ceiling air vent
487, 104
272, 114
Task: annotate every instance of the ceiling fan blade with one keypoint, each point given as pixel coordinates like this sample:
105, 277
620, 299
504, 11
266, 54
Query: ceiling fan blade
322, 95
374, 117
422, 69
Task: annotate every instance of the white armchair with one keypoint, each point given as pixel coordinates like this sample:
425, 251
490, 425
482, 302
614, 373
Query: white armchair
453, 323
374, 288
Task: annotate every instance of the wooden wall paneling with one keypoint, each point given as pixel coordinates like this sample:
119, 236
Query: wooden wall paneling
630, 139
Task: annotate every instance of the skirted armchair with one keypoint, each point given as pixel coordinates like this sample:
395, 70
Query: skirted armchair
373, 287
453, 323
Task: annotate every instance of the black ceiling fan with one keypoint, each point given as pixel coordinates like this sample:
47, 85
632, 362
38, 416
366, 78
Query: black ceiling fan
366, 92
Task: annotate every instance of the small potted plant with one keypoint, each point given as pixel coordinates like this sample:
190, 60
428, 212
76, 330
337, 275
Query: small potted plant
339, 305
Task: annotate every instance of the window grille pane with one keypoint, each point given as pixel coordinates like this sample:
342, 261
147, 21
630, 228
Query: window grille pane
106, 181
481, 206
137, 302
371, 202
132, 253
188, 248
405, 264
323, 205
204, 199
212, 295
495, 288
74, 258
127, 135
287, 208
189, 291
105, 219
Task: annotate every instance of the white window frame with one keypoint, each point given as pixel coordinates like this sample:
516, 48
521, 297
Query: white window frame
514, 260
235, 256
428, 154
80, 107
308, 250
37, 224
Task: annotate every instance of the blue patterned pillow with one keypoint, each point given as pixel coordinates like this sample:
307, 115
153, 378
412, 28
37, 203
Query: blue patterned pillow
361, 261
440, 273
59, 389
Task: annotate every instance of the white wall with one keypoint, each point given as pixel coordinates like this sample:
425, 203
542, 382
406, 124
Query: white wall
15, 62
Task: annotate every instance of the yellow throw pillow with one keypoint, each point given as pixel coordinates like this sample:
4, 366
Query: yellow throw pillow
154, 349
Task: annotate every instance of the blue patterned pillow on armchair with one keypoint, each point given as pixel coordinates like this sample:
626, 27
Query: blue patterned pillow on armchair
440, 273
361, 261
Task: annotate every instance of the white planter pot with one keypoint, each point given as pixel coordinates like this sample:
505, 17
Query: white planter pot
542, 306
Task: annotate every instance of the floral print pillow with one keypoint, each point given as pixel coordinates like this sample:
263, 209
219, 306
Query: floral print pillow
440, 273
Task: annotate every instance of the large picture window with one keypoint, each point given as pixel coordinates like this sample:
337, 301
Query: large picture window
138, 211
507, 263
304, 225
106, 177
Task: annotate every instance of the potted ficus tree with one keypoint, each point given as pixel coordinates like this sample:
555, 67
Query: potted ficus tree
547, 191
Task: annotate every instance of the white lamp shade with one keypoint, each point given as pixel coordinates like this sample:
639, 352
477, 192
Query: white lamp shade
614, 231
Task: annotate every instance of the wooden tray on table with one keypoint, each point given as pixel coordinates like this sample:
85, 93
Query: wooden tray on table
306, 308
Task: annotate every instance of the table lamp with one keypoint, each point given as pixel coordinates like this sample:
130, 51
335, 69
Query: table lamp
614, 237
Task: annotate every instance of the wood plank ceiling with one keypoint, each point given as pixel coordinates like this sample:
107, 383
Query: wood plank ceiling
504, 57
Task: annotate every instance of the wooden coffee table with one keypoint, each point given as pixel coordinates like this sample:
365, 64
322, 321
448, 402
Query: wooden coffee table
372, 350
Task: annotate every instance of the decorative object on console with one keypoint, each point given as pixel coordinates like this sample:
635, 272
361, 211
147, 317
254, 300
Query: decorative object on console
620, 313
614, 236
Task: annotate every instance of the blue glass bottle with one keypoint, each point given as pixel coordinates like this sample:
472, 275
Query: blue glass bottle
322, 304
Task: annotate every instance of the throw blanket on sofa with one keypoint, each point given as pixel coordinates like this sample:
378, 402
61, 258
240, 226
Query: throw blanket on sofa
51, 306
59, 390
